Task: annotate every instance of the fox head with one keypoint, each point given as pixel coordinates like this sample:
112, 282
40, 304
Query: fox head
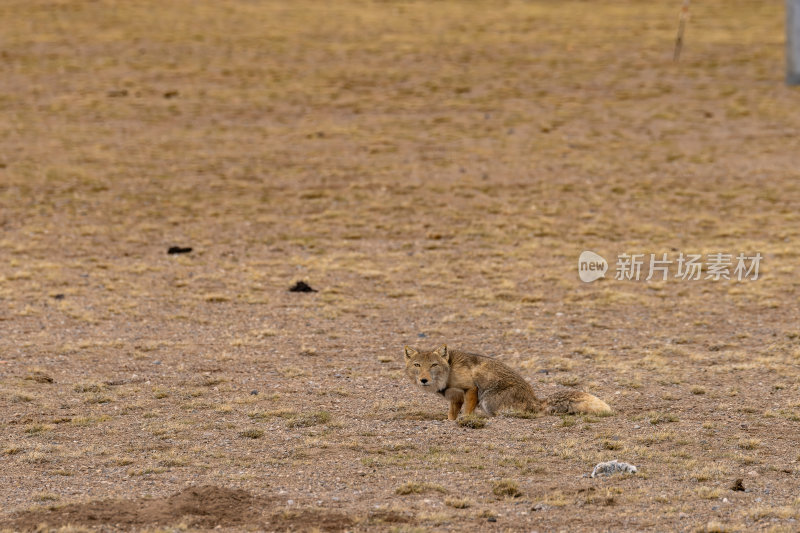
429, 370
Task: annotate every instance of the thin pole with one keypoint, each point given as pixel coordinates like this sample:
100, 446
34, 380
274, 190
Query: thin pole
682, 18
793, 42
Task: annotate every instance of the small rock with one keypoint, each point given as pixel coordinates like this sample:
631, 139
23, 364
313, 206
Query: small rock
724, 500
683, 515
254, 392
738, 485
172, 250
301, 286
491, 519
752, 473
58, 296
170, 94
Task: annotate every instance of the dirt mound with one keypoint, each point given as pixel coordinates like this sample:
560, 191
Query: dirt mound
204, 506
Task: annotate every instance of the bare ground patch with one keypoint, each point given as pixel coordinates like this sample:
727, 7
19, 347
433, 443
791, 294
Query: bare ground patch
203, 506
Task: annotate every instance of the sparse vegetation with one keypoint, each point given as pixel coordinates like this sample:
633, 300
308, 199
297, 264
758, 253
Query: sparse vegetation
252, 433
433, 170
472, 421
749, 444
506, 488
304, 420
458, 503
662, 418
414, 487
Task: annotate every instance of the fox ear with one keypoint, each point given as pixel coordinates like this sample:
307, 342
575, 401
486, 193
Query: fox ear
442, 352
410, 352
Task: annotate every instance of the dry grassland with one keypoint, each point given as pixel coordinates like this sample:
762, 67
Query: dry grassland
434, 169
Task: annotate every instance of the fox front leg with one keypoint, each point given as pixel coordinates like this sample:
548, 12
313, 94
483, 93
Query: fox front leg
456, 398
472, 400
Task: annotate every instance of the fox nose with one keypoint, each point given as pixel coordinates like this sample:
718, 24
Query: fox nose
424, 381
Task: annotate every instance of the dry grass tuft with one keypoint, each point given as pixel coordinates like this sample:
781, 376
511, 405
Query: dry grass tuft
414, 487
661, 418
458, 503
472, 421
749, 444
304, 420
252, 433
506, 488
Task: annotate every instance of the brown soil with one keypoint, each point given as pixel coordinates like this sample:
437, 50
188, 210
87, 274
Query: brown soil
433, 171
204, 506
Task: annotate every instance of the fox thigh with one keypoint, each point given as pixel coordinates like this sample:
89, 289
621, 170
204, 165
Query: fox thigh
494, 402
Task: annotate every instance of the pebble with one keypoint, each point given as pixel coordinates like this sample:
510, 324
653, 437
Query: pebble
254, 392
683, 515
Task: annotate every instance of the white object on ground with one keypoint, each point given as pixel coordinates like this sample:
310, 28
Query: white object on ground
612, 467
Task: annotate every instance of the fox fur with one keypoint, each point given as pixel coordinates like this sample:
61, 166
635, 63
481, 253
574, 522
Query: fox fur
476, 380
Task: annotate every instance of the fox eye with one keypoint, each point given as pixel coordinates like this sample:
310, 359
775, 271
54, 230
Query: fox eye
416, 364
434, 364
